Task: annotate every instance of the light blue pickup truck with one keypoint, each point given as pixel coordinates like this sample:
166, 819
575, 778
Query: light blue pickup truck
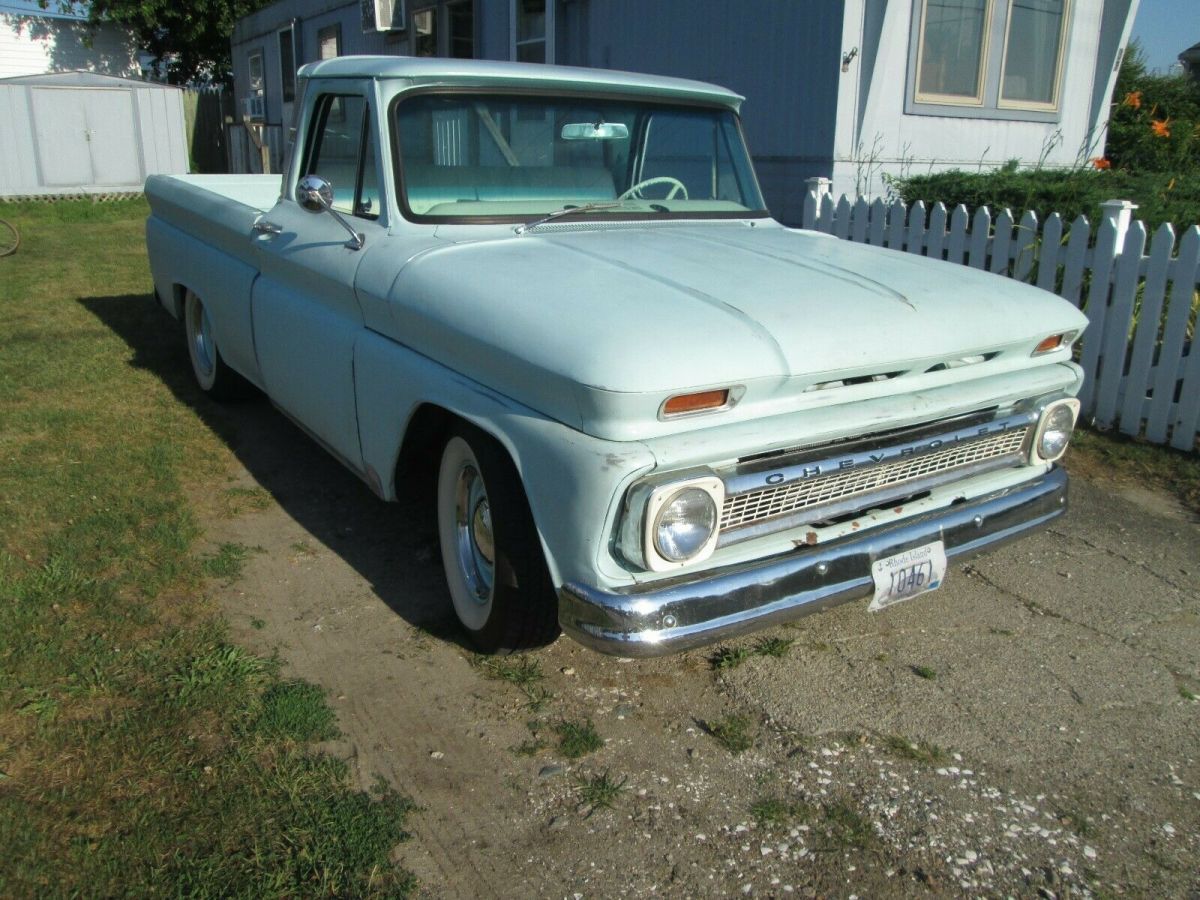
644, 410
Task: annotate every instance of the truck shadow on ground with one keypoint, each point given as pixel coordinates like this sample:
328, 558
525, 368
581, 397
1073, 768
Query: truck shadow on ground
391, 545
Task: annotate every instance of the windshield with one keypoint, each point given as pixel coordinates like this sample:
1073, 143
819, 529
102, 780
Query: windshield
510, 158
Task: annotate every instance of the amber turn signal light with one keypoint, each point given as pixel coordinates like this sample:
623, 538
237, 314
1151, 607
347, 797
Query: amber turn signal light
690, 403
1047, 344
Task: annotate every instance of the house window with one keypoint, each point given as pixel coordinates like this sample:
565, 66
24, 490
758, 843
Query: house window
1033, 53
532, 28
256, 96
990, 58
329, 42
952, 51
447, 29
287, 65
424, 33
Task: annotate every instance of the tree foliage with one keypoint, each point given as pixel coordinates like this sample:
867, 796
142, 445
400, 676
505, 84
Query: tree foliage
189, 39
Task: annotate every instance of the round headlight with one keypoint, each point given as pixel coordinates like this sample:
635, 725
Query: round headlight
684, 524
1056, 432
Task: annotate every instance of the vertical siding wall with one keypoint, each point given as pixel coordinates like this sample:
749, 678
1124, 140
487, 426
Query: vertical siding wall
876, 137
33, 45
784, 57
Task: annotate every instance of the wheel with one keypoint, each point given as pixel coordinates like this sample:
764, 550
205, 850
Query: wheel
677, 187
213, 376
495, 570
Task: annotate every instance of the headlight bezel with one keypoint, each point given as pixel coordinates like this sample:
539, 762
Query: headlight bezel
659, 499
1036, 456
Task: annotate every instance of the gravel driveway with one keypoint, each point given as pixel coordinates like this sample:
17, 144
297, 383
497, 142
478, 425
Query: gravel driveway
1031, 729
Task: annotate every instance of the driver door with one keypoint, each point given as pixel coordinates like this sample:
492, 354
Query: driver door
305, 309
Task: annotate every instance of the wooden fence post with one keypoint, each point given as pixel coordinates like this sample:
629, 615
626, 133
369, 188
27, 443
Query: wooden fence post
818, 188
1120, 213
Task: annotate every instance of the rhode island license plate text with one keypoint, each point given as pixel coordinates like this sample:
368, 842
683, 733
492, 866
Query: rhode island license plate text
908, 574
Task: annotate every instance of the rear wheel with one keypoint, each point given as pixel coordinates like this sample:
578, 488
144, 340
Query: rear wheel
213, 376
495, 569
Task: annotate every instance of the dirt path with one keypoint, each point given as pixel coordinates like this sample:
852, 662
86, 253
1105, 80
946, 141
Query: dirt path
1027, 729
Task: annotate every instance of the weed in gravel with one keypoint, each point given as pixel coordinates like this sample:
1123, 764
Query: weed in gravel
846, 827
238, 500
227, 562
775, 811
729, 657
1186, 694
599, 791
924, 672
530, 747
776, 647
730, 733
518, 670
576, 739
921, 751
522, 671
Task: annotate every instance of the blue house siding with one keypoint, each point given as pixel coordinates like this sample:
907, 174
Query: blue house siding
783, 57
828, 82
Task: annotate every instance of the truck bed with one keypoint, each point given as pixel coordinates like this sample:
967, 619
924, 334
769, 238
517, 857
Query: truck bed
218, 210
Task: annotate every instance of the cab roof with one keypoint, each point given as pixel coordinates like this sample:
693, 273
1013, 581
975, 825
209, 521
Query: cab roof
436, 71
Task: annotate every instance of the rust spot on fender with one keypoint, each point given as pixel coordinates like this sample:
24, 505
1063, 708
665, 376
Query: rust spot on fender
855, 525
898, 509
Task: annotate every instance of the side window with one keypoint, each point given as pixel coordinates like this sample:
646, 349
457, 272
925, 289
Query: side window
342, 153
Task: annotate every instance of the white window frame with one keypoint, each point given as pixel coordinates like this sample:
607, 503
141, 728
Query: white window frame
547, 37
1052, 106
984, 58
988, 102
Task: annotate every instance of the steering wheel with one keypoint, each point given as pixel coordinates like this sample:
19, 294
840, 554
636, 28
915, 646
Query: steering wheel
677, 188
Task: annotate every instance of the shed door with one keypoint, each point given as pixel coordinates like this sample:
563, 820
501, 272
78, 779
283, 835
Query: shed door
60, 127
86, 137
113, 139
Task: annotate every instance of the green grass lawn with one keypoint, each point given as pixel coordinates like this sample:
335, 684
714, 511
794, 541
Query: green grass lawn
141, 753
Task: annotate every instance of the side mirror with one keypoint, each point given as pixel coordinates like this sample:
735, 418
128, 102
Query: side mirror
315, 194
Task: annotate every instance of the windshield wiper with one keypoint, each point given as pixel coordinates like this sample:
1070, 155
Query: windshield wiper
567, 210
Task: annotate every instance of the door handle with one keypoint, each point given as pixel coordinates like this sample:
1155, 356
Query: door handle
264, 227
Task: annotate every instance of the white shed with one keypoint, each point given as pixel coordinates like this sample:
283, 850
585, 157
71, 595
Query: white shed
82, 133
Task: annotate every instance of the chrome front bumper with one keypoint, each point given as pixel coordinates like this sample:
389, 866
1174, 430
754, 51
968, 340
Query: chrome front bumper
675, 614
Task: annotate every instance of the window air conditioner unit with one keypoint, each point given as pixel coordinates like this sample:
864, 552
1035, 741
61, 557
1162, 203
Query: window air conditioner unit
254, 108
382, 15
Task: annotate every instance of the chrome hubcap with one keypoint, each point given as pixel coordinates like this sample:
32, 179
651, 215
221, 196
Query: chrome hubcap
473, 530
202, 341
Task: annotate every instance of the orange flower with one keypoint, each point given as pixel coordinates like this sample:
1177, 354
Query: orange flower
1161, 127
1133, 99
1100, 162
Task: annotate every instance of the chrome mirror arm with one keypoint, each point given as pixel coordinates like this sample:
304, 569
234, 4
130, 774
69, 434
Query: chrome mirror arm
315, 194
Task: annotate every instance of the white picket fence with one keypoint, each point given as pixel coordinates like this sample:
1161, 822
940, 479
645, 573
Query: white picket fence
1139, 352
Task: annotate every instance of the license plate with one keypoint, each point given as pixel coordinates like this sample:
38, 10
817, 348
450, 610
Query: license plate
908, 574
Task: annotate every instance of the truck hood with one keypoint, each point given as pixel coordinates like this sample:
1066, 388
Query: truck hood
665, 307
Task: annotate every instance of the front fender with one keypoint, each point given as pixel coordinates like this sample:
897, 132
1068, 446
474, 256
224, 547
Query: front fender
571, 479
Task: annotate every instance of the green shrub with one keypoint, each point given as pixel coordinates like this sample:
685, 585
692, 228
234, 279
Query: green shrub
1154, 125
1161, 197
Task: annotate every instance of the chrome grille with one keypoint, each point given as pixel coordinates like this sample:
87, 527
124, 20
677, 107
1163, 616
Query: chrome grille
752, 507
